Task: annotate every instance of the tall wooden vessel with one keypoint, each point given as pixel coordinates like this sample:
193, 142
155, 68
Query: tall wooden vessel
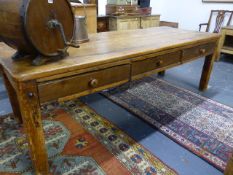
37, 27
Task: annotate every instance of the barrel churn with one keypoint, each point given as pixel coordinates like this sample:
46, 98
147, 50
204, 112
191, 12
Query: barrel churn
42, 28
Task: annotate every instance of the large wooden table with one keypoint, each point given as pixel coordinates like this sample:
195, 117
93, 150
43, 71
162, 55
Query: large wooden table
108, 60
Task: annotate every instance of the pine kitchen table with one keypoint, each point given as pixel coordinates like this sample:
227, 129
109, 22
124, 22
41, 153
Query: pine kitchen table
108, 60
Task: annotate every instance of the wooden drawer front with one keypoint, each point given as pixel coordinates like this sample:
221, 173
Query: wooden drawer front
84, 84
151, 18
198, 51
158, 62
128, 24
147, 22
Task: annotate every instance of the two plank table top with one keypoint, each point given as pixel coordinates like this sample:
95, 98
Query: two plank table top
108, 60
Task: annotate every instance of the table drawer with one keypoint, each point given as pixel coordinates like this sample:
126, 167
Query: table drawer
150, 64
198, 51
84, 84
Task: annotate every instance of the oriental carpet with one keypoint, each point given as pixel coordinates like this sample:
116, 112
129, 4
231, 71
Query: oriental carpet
201, 125
79, 142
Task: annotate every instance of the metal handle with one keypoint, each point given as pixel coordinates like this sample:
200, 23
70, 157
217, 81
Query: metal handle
53, 24
93, 83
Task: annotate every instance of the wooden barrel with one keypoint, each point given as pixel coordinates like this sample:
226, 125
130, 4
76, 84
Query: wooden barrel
24, 25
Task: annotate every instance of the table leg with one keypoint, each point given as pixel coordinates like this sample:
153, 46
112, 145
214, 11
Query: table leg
220, 45
162, 73
206, 72
229, 168
13, 98
32, 122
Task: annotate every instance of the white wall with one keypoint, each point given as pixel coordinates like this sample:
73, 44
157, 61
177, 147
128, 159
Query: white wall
102, 4
189, 13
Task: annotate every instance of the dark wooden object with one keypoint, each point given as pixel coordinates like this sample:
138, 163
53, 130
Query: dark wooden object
103, 63
27, 26
218, 21
102, 23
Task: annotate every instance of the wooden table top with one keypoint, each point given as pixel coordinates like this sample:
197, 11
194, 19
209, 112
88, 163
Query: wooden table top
228, 27
106, 47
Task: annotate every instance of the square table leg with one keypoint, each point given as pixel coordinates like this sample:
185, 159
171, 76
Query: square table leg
206, 72
13, 98
32, 123
229, 168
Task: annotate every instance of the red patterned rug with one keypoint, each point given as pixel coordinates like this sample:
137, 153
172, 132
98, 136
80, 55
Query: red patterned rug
79, 142
201, 125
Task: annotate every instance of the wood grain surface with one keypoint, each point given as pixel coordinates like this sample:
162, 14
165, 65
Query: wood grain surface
107, 47
108, 60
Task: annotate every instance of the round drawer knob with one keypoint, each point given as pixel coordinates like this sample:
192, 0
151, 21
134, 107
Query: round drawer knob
93, 83
202, 51
159, 63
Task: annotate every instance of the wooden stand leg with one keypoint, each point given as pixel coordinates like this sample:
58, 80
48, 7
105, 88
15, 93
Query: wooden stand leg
218, 56
229, 168
13, 98
206, 72
32, 122
162, 73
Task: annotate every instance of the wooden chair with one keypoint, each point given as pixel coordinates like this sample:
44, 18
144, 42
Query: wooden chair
220, 16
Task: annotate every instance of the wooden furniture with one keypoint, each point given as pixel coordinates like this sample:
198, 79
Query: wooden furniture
226, 41
169, 24
229, 168
91, 15
102, 23
133, 22
148, 21
218, 17
117, 10
30, 26
108, 60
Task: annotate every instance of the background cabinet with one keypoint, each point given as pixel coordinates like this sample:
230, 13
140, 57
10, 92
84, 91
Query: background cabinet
123, 2
226, 41
91, 13
133, 22
150, 21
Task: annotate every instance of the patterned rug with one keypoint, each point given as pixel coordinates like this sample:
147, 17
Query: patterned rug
79, 142
199, 124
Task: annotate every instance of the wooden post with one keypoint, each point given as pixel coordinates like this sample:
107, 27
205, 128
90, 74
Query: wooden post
206, 72
229, 168
220, 44
13, 98
30, 111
